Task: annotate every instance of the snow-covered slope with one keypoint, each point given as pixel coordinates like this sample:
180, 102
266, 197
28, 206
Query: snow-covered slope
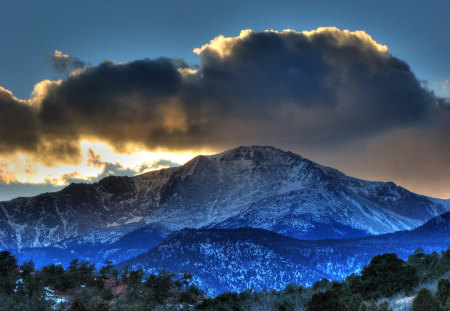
236, 260
264, 187
261, 187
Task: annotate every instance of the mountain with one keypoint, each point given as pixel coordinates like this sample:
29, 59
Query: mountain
96, 247
239, 259
257, 186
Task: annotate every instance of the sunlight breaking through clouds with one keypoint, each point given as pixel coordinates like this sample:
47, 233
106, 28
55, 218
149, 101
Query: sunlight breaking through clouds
310, 92
98, 160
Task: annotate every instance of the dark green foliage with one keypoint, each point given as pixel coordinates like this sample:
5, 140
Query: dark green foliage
186, 278
80, 273
124, 274
321, 285
31, 286
386, 275
8, 265
26, 269
443, 293
97, 282
135, 278
20, 288
355, 302
101, 306
384, 306
8, 272
372, 306
56, 277
115, 274
430, 266
107, 294
284, 306
187, 296
223, 302
326, 301
425, 301
16, 303
106, 270
78, 305
160, 284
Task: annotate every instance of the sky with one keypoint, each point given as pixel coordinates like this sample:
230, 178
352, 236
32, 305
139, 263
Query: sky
94, 88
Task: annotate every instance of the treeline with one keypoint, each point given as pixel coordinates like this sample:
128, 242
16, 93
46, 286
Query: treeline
384, 277
81, 287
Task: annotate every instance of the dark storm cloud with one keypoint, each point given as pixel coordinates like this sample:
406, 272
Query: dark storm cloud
327, 84
18, 124
20, 129
63, 63
116, 102
283, 88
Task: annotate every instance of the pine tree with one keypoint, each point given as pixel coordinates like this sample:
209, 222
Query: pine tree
443, 293
425, 301
355, 302
327, 301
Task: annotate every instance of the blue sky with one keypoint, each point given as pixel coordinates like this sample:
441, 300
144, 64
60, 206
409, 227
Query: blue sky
400, 137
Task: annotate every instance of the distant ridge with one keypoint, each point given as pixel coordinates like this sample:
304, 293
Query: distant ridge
239, 259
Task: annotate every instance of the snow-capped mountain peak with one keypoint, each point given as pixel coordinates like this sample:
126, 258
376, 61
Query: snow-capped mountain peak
255, 186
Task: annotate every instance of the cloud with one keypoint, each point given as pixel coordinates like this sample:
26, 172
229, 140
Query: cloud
113, 169
417, 158
297, 90
18, 124
313, 87
63, 63
16, 173
94, 159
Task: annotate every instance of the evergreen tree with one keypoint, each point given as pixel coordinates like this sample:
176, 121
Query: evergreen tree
443, 293
106, 270
386, 275
425, 301
186, 279
384, 306
135, 278
101, 306
125, 272
78, 305
327, 301
355, 302
8, 273
115, 275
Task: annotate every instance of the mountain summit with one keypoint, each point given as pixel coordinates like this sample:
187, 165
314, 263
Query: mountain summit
257, 186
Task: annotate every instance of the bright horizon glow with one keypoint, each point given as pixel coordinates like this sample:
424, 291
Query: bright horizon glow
95, 158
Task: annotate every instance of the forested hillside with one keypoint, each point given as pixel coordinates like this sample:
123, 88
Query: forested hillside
386, 283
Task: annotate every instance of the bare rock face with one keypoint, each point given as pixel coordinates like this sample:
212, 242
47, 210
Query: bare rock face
257, 186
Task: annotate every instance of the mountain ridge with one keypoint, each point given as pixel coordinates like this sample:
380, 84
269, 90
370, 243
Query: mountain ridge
248, 258
219, 191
